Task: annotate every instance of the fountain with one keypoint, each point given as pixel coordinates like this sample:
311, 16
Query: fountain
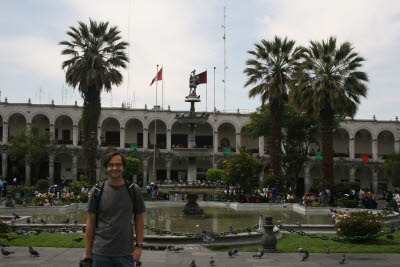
192, 152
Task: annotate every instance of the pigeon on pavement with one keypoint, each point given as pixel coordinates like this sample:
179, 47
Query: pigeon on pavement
212, 261
16, 216
3, 244
305, 256
300, 249
230, 254
327, 249
259, 254
6, 253
298, 224
342, 259
192, 264
33, 252
177, 249
235, 251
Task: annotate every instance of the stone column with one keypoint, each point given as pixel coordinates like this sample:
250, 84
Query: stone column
75, 135
169, 140
51, 169
98, 169
122, 138
74, 166
28, 128
4, 160
27, 175
145, 138
353, 174
135, 179
396, 146
261, 145
375, 182
307, 178
216, 142
238, 142
5, 132
169, 164
351, 148
98, 135
52, 132
374, 149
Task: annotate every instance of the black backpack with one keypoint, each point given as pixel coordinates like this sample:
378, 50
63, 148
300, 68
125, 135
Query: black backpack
99, 191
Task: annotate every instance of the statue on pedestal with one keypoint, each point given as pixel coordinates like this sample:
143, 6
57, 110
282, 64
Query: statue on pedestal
194, 80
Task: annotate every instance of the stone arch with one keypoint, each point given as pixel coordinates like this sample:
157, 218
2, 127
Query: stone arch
385, 143
63, 124
363, 142
56, 117
16, 123
371, 132
7, 118
110, 130
226, 135
161, 133
227, 122
134, 131
102, 119
341, 138
147, 125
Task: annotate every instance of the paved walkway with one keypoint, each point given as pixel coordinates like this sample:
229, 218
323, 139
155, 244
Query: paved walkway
61, 257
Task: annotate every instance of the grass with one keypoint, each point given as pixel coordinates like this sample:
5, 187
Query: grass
289, 242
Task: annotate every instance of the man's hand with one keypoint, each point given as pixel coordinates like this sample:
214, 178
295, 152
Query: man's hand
136, 254
87, 256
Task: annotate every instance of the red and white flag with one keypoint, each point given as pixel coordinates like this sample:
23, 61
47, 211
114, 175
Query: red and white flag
157, 78
202, 77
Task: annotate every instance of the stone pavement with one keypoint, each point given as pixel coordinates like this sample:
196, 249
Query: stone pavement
70, 257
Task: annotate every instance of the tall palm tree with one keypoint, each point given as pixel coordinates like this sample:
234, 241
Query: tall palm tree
327, 83
269, 71
95, 52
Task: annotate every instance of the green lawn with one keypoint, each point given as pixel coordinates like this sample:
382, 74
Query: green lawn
289, 242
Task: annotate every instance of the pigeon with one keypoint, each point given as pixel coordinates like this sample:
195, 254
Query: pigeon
28, 221
3, 244
259, 254
9, 238
66, 221
19, 232
300, 250
75, 222
42, 221
26, 235
33, 252
6, 253
230, 229
138, 263
79, 239
37, 232
298, 224
342, 259
192, 264
327, 249
212, 261
284, 205
235, 251
170, 248
230, 253
16, 216
305, 256
177, 249
207, 238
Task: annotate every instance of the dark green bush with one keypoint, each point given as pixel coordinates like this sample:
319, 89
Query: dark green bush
4, 228
350, 203
214, 174
42, 186
358, 223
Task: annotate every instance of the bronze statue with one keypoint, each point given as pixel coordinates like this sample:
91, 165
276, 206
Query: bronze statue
194, 80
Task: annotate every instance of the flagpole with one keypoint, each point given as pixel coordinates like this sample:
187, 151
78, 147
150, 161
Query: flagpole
155, 131
214, 89
206, 92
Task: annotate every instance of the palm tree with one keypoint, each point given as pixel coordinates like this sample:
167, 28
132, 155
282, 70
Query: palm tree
269, 71
328, 84
95, 55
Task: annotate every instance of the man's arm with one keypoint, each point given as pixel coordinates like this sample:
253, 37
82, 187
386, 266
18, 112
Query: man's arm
89, 234
139, 228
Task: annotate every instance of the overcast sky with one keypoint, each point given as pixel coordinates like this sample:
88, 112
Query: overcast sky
184, 35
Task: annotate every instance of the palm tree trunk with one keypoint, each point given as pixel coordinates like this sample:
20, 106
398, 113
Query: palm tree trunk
326, 119
90, 119
275, 142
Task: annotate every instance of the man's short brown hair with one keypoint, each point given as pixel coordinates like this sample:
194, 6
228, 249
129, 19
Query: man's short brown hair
110, 155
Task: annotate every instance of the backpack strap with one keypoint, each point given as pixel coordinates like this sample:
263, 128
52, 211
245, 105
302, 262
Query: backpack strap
97, 195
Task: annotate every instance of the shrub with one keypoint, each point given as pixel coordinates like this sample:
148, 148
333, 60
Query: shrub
349, 203
84, 197
84, 178
42, 186
214, 174
76, 186
358, 223
132, 167
316, 204
4, 228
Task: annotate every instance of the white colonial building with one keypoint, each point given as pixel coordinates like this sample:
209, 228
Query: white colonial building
120, 127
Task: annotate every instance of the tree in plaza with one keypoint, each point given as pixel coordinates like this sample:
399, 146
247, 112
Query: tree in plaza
327, 83
269, 71
242, 169
96, 53
298, 131
392, 168
31, 148
132, 167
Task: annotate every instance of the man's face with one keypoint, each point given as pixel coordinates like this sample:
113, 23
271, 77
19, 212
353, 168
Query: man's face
115, 167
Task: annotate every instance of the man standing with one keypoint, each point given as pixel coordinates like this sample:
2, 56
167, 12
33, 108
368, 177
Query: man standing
109, 237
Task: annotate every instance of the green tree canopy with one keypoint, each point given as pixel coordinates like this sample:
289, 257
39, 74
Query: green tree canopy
132, 167
327, 83
392, 168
